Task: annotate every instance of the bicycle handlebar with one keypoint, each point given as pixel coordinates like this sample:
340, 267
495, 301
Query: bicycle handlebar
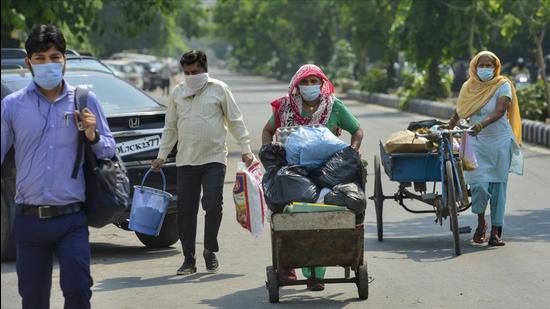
438, 133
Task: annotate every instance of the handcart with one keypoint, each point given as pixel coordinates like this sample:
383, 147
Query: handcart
418, 169
315, 239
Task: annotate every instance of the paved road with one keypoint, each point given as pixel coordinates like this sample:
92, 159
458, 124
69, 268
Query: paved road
413, 268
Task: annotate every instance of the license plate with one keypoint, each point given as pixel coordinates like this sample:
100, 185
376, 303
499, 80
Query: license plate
138, 145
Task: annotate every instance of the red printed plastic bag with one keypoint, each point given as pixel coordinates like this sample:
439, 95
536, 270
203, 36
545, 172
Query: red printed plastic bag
249, 200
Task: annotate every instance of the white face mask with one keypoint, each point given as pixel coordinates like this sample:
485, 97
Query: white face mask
195, 82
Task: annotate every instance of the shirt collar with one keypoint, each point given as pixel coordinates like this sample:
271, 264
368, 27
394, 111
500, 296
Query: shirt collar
67, 89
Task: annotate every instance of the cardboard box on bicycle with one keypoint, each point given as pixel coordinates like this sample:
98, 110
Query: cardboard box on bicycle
406, 142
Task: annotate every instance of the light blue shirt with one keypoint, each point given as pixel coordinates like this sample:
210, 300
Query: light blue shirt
492, 146
45, 137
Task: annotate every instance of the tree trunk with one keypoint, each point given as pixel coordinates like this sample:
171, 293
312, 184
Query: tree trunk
435, 87
540, 61
472, 32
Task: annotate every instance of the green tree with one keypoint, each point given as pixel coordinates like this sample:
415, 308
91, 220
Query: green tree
163, 35
342, 62
536, 16
368, 23
426, 36
275, 37
158, 25
19, 16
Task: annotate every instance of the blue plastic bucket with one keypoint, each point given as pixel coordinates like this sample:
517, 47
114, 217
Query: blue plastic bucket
149, 207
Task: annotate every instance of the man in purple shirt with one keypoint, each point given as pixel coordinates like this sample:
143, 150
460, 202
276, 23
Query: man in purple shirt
40, 123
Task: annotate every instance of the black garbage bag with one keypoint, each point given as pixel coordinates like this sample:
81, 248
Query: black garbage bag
343, 167
286, 185
273, 155
415, 125
350, 195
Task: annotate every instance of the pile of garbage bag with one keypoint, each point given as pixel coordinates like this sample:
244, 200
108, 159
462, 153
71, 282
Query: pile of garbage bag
313, 168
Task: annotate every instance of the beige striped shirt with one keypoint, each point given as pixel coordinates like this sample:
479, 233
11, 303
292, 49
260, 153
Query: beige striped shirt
199, 125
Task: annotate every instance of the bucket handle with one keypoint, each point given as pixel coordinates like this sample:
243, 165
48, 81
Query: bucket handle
147, 174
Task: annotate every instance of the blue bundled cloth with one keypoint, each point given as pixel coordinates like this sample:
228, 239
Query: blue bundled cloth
312, 147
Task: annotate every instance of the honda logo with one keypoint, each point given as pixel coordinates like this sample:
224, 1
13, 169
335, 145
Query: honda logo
133, 122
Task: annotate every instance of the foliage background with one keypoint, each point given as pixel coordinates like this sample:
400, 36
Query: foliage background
409, 46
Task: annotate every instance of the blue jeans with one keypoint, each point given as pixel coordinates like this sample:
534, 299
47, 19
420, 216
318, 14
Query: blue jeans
37, 240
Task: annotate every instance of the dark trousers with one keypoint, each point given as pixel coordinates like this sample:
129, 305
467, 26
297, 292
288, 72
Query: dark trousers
37, 240
191, 179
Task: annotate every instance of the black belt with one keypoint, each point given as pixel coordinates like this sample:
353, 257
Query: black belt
49, 211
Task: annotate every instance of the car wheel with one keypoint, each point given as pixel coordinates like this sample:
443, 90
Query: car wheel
168, 234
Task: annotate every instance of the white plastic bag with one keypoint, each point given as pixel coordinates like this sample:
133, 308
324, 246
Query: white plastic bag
322, 193
249, 200
516, 164
469, 161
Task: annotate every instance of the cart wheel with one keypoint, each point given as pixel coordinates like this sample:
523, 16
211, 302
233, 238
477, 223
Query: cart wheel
378, 198
451, 205
362, 282
272, 284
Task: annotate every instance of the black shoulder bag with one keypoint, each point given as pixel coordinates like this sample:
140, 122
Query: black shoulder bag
107, 185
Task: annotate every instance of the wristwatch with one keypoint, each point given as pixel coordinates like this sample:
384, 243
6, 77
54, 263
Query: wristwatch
96, 138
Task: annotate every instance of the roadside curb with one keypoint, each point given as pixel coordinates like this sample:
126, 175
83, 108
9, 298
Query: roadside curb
535, 132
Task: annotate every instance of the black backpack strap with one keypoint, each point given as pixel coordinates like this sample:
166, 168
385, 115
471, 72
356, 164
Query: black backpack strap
80, 102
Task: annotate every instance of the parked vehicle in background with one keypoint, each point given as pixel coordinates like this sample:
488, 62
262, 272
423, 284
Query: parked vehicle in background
126, 70
87, 63
136, 120
14, 58
150, 65
150, 74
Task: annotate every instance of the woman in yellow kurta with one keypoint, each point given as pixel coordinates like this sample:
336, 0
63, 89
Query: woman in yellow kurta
488, 100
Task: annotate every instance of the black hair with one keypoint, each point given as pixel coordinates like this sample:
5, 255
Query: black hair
195, 56
44, 37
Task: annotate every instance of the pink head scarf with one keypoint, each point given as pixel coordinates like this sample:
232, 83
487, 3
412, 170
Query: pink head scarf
288, 109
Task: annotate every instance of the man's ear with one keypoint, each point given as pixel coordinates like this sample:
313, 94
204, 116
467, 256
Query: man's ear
28, 63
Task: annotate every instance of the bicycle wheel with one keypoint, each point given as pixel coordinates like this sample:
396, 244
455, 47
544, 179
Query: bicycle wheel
378, 198
452, 205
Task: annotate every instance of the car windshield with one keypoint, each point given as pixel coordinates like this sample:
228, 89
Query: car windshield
115, 95
89, 64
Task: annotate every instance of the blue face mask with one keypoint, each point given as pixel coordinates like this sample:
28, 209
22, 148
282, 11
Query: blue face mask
310, 93
47, 75
485, 74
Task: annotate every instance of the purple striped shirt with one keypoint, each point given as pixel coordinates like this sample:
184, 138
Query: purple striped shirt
44, 137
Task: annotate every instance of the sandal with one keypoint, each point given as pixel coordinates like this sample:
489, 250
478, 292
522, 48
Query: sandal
287, 275
479, 235
316, 286
496, 241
